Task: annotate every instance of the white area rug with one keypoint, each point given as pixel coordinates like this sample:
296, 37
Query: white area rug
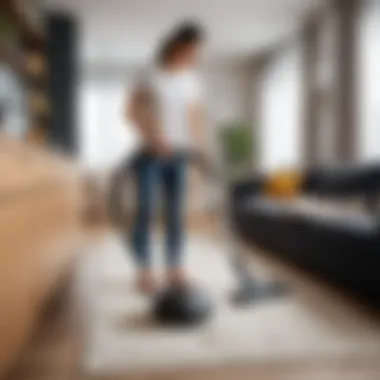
120, 337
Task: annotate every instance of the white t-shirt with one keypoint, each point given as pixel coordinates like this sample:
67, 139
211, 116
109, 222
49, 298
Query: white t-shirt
174, 94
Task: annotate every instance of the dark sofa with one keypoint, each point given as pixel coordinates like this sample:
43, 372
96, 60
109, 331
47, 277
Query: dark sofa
342, 248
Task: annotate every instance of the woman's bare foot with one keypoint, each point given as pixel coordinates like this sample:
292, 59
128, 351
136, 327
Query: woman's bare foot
145, 281
177, 277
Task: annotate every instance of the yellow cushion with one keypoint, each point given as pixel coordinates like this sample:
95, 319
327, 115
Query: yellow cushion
284, 184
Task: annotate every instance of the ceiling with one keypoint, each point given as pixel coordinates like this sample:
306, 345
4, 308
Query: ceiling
127, 31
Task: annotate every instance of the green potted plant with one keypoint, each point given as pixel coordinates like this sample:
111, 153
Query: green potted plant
237, 146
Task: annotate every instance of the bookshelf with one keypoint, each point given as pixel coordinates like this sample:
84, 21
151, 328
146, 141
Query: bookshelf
23, 49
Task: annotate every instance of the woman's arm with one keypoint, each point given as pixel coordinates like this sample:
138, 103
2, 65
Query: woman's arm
198, 125
197, 113
139, 113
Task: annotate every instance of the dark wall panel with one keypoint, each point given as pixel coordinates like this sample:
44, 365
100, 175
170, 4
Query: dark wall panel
62, 56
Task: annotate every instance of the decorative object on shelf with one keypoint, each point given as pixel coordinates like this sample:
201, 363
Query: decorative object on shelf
39, 104
10, 48
23, 53
8, 32
17, 20
37, 134
35, 64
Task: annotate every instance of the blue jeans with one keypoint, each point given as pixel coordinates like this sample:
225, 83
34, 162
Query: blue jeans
153, 174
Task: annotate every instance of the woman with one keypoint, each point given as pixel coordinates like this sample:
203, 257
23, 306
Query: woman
166, 108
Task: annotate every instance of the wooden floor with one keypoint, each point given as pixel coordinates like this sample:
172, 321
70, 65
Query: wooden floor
54, 354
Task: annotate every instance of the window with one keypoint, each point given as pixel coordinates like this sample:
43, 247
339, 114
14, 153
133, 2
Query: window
13, 108
105, 135
280, 132
369, 83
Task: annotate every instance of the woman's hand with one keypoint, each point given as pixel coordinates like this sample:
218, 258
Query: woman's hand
160, 148
164, 149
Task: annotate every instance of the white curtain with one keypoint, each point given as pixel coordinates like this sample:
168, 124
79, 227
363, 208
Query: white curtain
280, 138
369, 83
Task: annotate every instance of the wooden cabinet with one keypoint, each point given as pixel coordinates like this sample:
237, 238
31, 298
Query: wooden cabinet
40, 216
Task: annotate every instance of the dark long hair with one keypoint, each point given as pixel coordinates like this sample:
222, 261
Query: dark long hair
183, 35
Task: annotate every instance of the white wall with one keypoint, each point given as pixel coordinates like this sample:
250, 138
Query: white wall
369, 84
280, 137
228, 87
